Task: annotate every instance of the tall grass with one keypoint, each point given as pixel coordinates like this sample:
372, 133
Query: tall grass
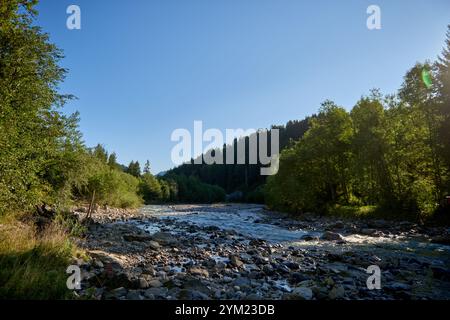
33, 265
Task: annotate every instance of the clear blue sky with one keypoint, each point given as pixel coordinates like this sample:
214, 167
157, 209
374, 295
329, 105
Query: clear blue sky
142, 68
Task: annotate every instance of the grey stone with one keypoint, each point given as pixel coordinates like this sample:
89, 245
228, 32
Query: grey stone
235, 261
302, 293
155, 283
143, 284
133, 295
187, 294
337, 292
331, 236
199, 272
117, 293
156, 292
241, 282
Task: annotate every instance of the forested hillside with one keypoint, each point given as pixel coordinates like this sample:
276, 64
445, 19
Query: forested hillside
241, 177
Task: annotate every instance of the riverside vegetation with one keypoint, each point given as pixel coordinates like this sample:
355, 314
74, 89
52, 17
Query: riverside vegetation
45, 166
390, 155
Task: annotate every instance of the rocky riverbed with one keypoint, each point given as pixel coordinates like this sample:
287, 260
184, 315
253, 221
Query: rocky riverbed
246, 252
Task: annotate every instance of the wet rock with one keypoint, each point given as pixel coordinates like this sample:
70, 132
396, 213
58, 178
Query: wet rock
308, 237
331, 236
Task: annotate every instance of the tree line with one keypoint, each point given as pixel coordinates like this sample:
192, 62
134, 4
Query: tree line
245, 178
390, 151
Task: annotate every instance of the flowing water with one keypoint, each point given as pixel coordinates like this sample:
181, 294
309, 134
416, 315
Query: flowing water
249, 220
244, 221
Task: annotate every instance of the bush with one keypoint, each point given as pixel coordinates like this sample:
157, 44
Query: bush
109, 186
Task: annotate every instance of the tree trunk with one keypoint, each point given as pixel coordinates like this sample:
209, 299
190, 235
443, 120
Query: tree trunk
91, 205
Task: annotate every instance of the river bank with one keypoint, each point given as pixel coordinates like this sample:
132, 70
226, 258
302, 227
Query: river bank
245, 252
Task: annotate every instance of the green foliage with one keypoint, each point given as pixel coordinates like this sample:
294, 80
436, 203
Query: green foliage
387, 153
191, 189
316, 169
151, 189
33, 134
232, 177
169, 190
69, 223
33, 266
112, 161
134, 169
256, 195
112, 187
147, 167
